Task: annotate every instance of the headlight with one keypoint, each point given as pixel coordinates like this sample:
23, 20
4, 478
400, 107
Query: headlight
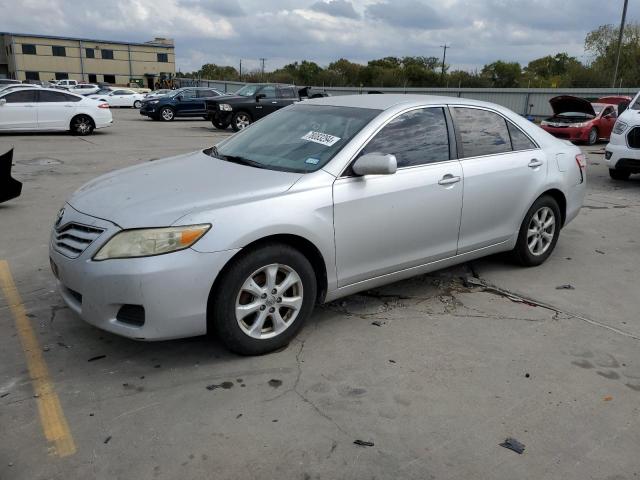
225, 107
619, 127
544, 123
580, 125
153, 102
151, 241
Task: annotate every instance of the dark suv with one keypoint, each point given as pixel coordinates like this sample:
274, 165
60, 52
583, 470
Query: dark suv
250, 103
185, 102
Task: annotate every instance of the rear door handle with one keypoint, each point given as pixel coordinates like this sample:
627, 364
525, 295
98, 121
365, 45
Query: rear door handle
535, 163
274, 102
448, 179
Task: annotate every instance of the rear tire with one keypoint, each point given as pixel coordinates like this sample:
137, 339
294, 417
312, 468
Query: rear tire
619, 174
82, 125
262, 299
539, 232
137, 104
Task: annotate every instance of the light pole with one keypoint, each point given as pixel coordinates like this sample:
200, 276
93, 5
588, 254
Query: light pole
624, 17
444, 56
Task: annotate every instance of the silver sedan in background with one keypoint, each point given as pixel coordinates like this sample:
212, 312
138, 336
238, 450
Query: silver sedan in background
320, 200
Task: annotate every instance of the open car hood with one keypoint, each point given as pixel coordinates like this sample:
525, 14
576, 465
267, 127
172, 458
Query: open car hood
569, 103
614, 100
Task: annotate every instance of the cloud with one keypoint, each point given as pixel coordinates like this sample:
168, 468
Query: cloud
283, 31
336, 8
406, 13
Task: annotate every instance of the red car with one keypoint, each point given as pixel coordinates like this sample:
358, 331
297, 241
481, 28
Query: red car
579, 120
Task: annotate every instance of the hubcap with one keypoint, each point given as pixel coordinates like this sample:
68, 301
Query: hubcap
593, 136
541, 230
242, 121
269, 301
167, 114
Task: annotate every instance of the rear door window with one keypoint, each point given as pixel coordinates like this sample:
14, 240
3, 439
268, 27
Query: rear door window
286, 92
481, 132
46, 96
416, 138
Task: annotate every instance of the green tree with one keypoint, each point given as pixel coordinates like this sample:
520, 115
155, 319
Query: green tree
502, 74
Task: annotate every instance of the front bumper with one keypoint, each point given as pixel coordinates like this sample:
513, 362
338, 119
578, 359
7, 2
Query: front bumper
149, 110
572, 134
173, 288
618, 155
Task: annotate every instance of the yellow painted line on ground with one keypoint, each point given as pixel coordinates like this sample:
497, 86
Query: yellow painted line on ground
54, 424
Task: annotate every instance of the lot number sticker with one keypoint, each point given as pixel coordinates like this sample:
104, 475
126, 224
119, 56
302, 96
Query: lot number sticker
321, 138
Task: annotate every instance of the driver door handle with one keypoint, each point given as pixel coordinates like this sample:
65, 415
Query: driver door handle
535, 163
448, 179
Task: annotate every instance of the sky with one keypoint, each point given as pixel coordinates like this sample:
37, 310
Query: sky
282, 31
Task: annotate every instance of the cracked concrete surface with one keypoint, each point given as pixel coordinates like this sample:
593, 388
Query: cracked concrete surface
435, 371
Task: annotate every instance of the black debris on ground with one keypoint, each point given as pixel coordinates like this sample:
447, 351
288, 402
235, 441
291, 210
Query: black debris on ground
565, 287
513, 444
363, 443
600, 252
275, 383
223, 385
378, 323
97, 357
107, 440
4, 395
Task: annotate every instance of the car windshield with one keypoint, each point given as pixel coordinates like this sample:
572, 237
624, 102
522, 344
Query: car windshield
597, 107
248, 90
299, 138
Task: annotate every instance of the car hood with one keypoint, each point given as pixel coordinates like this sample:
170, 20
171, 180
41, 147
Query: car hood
159, 193
569, 103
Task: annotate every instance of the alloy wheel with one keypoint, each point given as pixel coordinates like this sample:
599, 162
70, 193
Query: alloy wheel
541, 230
82, 125
269, 301
242, 121
167, 114
137, 104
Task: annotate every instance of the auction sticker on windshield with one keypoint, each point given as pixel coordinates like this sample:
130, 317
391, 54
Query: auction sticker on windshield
321, 138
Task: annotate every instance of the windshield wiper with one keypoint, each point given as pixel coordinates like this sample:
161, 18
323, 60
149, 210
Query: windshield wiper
243, 161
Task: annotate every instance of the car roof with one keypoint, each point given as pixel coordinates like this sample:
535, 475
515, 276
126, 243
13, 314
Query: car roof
386, 101
44, 89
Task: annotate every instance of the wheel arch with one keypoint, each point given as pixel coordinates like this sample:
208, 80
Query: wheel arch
303, 245
80, 114
560, 198
243, 110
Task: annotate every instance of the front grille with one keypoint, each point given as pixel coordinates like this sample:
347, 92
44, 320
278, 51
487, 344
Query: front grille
131, 314
73, 238
561, 135
633, 137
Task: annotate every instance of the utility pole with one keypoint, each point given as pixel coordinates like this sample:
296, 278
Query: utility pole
624, 17
240, 69
444, 56
262, 60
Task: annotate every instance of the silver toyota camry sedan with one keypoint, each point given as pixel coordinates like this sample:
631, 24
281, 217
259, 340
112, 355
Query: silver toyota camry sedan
319, 200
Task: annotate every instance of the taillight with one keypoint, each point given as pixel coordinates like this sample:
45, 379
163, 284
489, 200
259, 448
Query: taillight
581, 160
103, 105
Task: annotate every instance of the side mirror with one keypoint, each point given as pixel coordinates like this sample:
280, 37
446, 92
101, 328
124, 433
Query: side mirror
375, 164
260, 96
3, 101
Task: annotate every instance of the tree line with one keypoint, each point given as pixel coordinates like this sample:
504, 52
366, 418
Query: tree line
559, 70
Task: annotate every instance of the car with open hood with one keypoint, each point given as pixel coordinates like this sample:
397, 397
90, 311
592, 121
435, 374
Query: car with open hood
579, 120
321, 199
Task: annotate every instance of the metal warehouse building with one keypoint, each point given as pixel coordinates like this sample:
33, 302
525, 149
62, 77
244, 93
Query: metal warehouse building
40, 57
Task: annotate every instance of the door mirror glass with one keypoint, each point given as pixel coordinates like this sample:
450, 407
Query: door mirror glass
3, 101
375, 164
260, 96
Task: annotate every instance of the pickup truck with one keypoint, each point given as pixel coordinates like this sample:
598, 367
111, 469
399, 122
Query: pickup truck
251, 103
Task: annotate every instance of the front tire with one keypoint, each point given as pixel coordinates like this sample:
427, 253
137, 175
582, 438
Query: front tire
262, 299
167, 114
539, 232
619, 174
593, 136
240, 121
137, 104
82, 125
